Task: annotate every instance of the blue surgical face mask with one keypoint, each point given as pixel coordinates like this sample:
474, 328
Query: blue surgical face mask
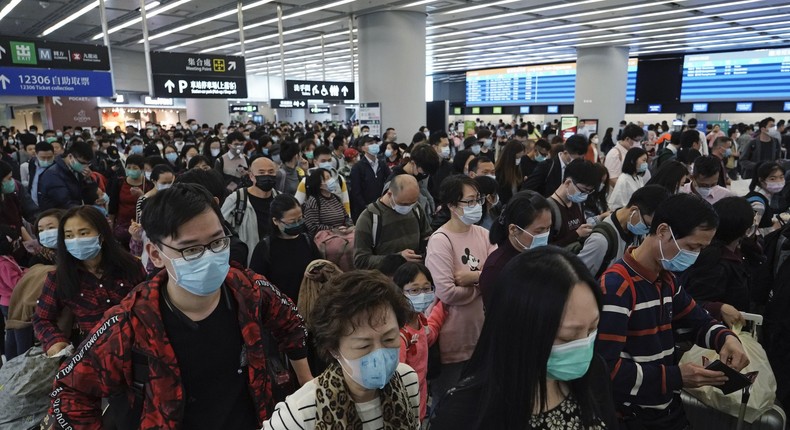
642, 168
445, 152
402, 209
84, 248
326, 165
578, 197
265, 151
331, 185
475, 149
373, 371
421, 301
374, 148
137, 149
540, 158
202, 276
388, 153
9, 186
171, 157
44, 163
571, 360
538, 240
640, 229
48, 238
488, 142
727, 152
276, 158
471, 215
680, 262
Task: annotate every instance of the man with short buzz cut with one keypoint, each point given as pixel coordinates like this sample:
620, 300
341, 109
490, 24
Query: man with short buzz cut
184, 349
393, 224
481, 166
705, 180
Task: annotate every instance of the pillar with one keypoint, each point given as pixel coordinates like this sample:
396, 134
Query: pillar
601, 78
392, 67
208, 111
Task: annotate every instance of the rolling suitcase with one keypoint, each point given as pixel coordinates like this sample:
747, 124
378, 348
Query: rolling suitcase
704, 417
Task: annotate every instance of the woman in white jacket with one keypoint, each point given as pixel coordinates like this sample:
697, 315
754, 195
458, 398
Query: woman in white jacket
632, 178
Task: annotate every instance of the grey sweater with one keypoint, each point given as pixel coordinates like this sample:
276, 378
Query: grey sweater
395, 233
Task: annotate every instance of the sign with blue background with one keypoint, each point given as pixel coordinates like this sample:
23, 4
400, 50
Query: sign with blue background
22, 81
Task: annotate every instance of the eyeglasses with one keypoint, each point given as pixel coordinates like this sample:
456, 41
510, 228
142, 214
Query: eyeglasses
196, 251
474, 202
417, 292
585, 191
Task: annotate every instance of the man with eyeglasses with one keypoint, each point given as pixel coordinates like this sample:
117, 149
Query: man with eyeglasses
568, 222
233, 164
185, 349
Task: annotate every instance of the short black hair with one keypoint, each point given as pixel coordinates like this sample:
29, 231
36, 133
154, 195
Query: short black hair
583, 172
476, 162
210, 180
459, 161
288, 150
522, 133
321, 150
648, 198
426, 158
434, 138
689, 138
136, 160
43, 146
170, 209
522, 210
81, 149
633, 132
236, 135
486, 186
706, 166
764, 123
684, 213
154, 160
736, 217
630, 159
157, 171
692, 122
452, 188
543, 143
577, 144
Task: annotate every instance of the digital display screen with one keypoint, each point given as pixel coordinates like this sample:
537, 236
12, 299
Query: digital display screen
743, 107
475, 111
523, 109
654, 108
549, 83
497, 110
553, 109
787, 106
760, 75
699, 107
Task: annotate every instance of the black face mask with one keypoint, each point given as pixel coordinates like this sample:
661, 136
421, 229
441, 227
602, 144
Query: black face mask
294, 229
265, 182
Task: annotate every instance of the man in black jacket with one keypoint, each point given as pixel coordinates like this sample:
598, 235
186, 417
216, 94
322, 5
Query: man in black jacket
549, 174
368, 177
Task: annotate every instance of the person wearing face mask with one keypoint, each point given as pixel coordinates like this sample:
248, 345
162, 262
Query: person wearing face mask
472, 144
721, 148
624, 228
705, 180
93, 274
124, 195
644, 305
197, 316
631, 179
44, 159
65, 184
46, 231
543, 321
323, 210
283, 254
762, 148
11, 209
537, 153
422, 330
323, 160
493, 206
422, 163
440, 142
568, 221
486, 142
234, 164
247, 209
524, 224
508, 170
392, 155
765, 188
550, 174
632, 136
368, 176
392, 225
456, 253
355, 325
135, 146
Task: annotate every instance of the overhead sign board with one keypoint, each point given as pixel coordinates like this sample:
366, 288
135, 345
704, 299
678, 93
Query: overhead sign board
40, 54
318, 110
152, 101
319, 90
287, 104
243, 108
198, 75
22, 81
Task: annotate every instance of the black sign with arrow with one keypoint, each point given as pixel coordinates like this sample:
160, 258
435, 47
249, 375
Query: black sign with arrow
198, 75
287, 104
320, 90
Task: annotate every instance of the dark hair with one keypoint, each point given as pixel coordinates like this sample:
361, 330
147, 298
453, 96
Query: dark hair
115, 261
152, 160
42, 146
583, 172
8, 236
197, 159
236, 135
543, 143
476, 162
435, 137
313, 182
136, 160
321, 150
508, 174
692, 122
417, 138
688, 138
288, 150
170, 209
486, 186
764, 170
426, 158
720, 141
630, 159
281, 204
736, 217
648, 198
344, 299
157, 171
56, 213
683, 213
577, 145
707, 166
521, 326
408, 271
522, 210
210, 180
633, 132
452, 188
669, 175
459, 161
80, 149
390, 263
764, 123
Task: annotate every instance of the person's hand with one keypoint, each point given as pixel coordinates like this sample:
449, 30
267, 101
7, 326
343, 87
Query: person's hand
584, 230
304, 164
731, 316
56, 348
732, 354
136, 230
411, 256
467, 278
695, 376
86, 171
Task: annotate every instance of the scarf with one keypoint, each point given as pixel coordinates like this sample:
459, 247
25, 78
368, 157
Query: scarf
335, 410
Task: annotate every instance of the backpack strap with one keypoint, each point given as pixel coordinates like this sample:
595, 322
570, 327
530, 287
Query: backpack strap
241, 207
556, 223
375, 230
623, 272
611, 236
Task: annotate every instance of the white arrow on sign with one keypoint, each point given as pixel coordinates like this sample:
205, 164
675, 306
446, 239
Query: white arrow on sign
56, 101
231, 65
4, 81
344, 90
169, 85
2, 51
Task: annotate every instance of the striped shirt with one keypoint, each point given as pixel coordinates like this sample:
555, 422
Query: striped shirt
299, 409
642, 313
326, 214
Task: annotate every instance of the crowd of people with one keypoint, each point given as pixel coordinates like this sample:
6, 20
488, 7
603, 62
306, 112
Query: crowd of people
315, 276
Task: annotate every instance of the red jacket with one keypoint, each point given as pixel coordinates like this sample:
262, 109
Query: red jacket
102, 365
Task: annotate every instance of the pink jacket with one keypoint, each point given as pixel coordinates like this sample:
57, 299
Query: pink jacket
450, 253
414, 344
10, 272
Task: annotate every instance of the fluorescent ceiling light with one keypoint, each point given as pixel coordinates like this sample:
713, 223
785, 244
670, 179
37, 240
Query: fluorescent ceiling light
209, 19
271, 36
8, 8
92, 5
418, 3
479, 6
139, 19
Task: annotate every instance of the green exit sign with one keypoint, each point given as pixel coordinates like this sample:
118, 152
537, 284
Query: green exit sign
497, 110
475, 111
457, 111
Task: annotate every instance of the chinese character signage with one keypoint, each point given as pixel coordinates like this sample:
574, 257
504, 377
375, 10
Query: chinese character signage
198, 75
287, 104
22, 81
319, 90
243, 108
21, 52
